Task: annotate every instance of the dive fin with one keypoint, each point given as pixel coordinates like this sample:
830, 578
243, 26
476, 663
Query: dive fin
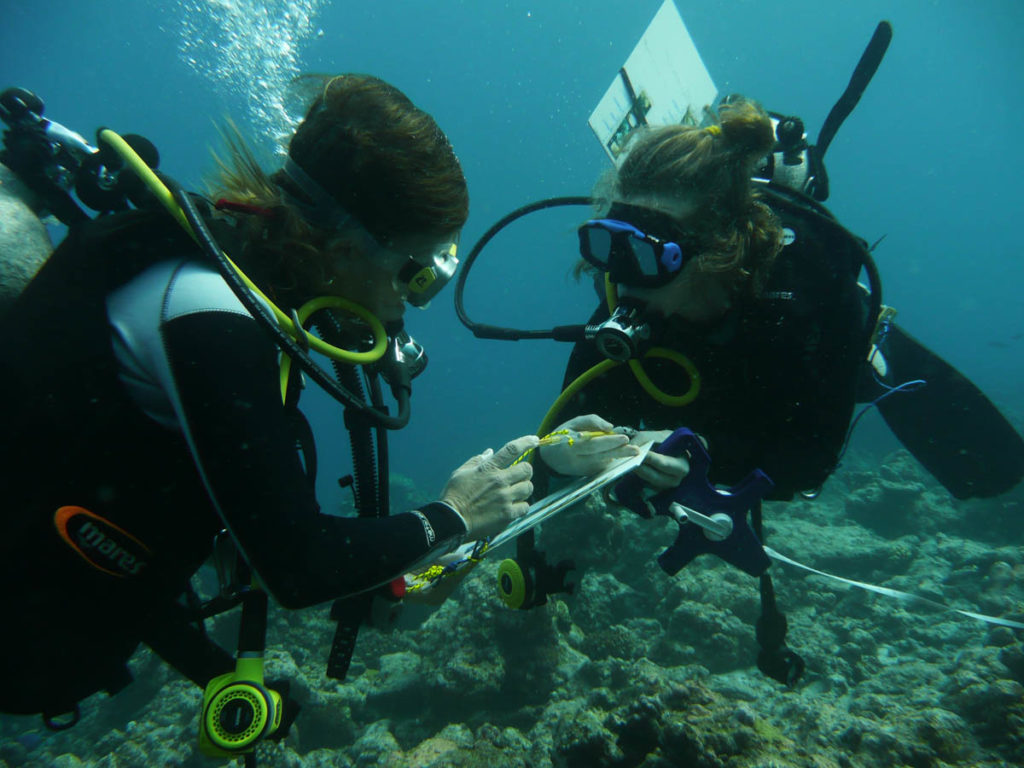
950, 426
866, 68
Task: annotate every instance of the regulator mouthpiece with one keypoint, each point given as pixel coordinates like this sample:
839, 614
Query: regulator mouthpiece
623, 335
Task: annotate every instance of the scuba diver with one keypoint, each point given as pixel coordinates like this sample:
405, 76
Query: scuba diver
769, 346
730, 306
152, 392
753, 288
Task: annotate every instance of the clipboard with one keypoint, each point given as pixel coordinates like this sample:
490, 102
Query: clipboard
663, 82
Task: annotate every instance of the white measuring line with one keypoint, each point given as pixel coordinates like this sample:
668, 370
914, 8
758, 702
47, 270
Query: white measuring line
888, 592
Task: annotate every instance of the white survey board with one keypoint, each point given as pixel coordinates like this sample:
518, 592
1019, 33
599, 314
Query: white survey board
668, 77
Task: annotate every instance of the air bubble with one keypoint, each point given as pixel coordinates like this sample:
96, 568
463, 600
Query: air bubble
248, 50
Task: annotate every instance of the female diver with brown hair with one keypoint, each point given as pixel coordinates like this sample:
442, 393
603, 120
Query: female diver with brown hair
773, 351
153, 418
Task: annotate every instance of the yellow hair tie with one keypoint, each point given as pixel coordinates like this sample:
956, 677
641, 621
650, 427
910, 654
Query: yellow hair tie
713, 130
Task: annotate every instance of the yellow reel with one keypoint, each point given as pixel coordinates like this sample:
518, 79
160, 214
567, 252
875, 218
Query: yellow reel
512, 586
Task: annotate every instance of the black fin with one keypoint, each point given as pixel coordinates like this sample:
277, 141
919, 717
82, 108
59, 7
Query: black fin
866, 68
950, 426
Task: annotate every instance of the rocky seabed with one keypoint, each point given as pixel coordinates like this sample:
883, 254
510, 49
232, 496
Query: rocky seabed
641, 669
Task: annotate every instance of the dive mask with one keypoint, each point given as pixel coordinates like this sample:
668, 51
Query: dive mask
423, 280
630, 255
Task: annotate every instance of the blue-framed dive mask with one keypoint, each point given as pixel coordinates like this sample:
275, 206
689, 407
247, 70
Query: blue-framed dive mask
627, 253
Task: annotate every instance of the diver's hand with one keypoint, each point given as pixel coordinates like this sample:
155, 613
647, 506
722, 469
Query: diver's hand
658, 470
488, 492
582, 457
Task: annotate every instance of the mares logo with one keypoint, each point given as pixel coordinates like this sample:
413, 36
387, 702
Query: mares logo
101, 543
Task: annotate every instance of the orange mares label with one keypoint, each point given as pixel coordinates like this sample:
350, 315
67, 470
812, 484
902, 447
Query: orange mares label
103, 545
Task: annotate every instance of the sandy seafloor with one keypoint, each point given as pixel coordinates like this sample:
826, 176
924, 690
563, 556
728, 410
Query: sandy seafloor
639, 669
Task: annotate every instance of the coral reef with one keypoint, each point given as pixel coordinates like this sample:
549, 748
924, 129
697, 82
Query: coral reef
639, 669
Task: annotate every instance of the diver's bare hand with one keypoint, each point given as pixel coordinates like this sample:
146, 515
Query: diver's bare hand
590, 455
658, 470
488, 491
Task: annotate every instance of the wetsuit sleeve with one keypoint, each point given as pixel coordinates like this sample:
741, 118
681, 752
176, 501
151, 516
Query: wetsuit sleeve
224, 371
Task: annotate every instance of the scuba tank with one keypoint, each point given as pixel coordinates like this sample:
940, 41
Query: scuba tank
24, 242
41, 164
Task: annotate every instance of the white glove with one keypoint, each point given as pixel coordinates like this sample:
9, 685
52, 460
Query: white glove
657, 470
590, 456
488, 492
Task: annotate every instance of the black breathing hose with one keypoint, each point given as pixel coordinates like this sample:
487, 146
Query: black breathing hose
263, 316
481, 331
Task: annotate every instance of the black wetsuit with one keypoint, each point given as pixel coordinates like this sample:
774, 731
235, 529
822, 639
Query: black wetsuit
778, 372
143, 415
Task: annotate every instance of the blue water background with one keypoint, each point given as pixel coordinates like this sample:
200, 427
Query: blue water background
931, 158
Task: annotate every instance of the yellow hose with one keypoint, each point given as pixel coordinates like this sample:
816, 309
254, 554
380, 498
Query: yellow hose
612, 297
356, 358
577, 384
166, 199
674, 401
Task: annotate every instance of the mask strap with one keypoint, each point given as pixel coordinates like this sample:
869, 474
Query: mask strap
324, 211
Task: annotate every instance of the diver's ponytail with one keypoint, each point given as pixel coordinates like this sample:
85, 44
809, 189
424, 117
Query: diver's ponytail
708, 169
746, 128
